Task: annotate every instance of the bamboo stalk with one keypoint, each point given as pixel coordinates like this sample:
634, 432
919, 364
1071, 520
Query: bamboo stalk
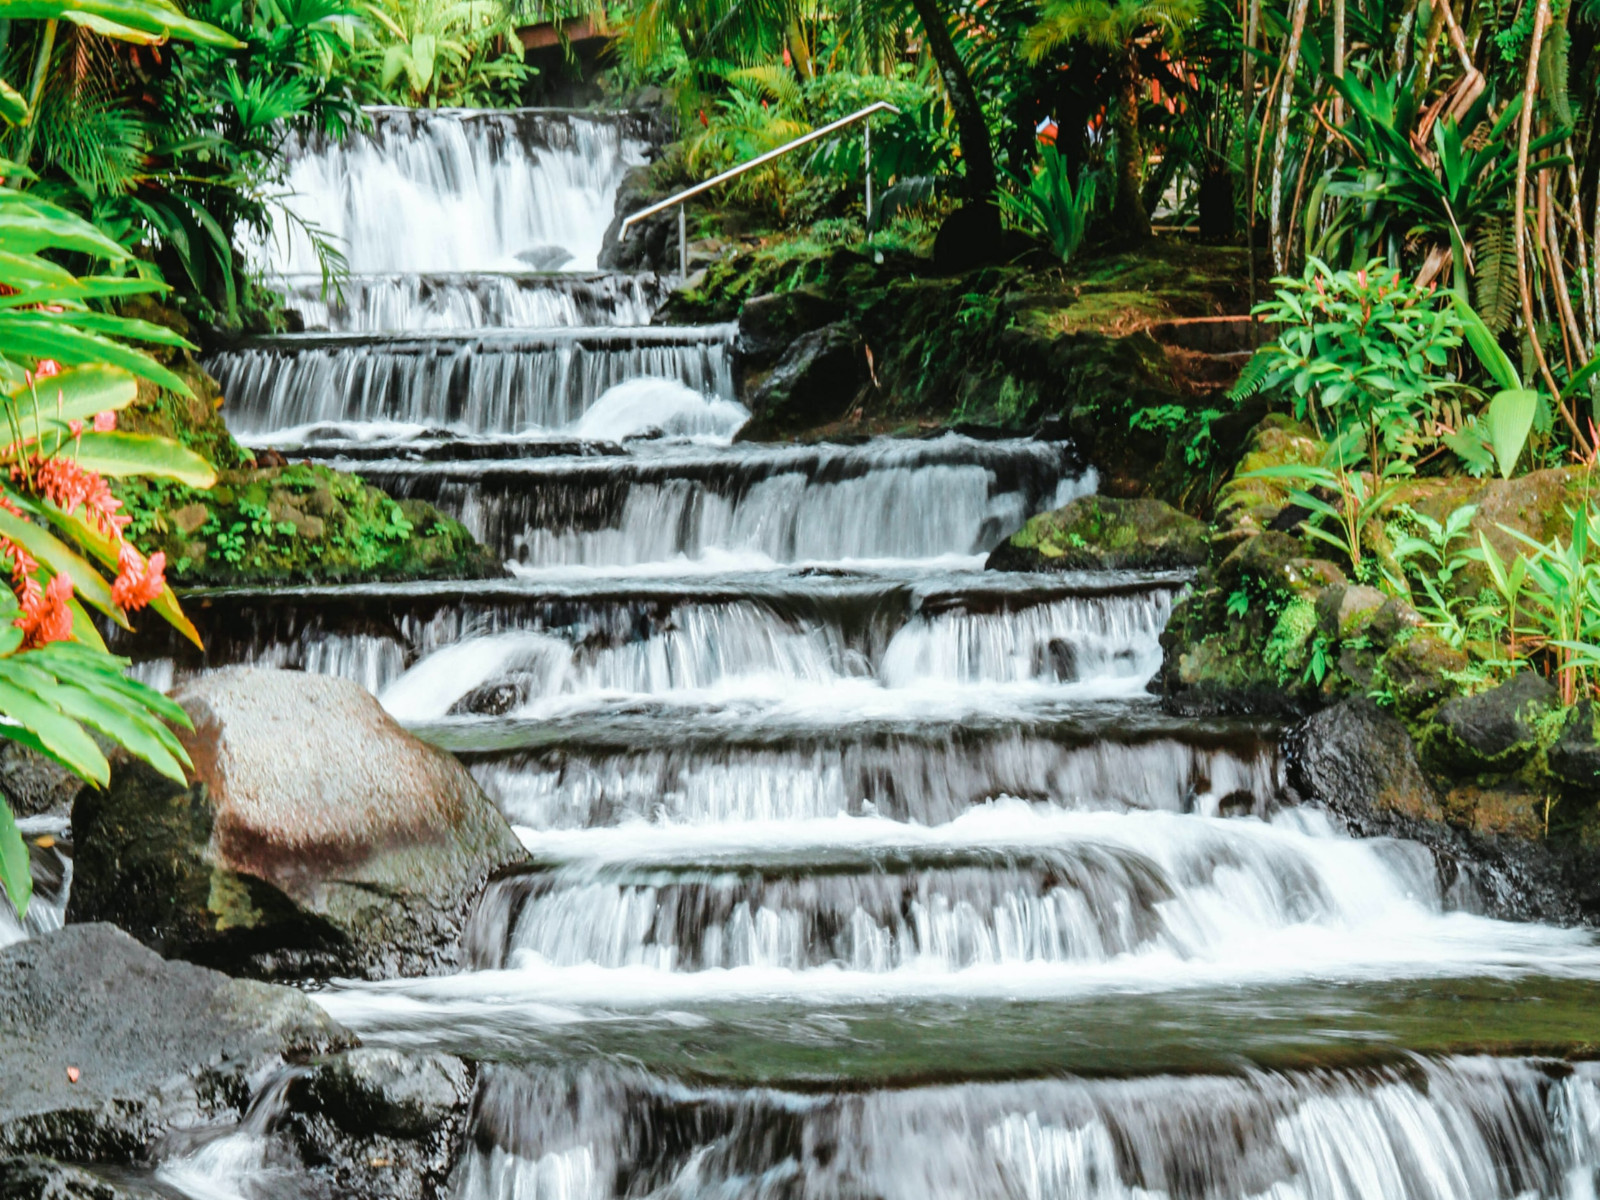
1530, 87
1586, 280
1291, 61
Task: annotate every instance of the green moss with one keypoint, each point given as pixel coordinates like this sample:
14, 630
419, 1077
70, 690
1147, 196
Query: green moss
296, 524
1102, 533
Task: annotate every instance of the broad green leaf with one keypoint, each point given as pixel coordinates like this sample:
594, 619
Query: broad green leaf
42, 335
75, 395
62, 738
105, 672
119, 454
111, 29
83, 628
1494, 359
60, 558
120, 726
14, 875
28, 224
29, 270
13, 108
73, 289
1507, 421
150, 15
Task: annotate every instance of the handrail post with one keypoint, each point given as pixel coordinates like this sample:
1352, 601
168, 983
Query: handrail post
683, 243
678, 199
866, 144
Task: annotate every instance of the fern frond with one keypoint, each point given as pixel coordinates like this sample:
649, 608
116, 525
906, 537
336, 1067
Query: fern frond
1254, 376
1495, 274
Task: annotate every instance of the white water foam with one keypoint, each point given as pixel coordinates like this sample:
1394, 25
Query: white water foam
662, 408
470, 191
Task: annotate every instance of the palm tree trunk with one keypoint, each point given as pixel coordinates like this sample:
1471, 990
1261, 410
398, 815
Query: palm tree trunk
1127, 213
971, 129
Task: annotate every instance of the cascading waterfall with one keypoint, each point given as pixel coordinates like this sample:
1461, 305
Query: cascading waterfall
472, 191
1484, 1128
856, 870
509, 382
928, 778
884, 500
440, 303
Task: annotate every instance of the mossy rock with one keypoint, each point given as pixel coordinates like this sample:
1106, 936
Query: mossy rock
1097, 533
1494, 731
302, 523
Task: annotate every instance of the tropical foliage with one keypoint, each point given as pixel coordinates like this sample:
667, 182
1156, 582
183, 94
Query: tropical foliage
65, 371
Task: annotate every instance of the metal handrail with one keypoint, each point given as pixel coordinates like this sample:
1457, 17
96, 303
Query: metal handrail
734, 172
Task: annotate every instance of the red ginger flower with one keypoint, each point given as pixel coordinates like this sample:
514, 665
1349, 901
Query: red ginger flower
68, 485
46, 616
139, 580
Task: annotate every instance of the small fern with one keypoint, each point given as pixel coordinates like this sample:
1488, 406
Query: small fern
1254, 376
1495, 274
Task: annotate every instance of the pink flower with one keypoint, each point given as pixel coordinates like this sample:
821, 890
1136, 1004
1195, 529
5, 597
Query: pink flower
139, 581
105, 422
46, 368
46, 616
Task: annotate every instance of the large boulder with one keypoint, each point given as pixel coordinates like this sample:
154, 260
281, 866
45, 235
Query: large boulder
105, 1046
1098, 533
1359, 761
315, 837
816, 381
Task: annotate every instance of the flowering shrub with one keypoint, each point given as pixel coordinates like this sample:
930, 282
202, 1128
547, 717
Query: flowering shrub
65, 370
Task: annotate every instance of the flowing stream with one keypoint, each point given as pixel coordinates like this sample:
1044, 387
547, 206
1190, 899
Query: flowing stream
859, 871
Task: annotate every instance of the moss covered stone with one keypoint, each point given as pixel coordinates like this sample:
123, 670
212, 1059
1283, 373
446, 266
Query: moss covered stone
1102, 533
297, 524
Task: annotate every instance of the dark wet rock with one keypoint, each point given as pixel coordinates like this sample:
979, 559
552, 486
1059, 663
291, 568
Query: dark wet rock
380, 1122
156, 1045
1098, 533
1361, 758
815, 382
970, 237
769, 324
33, 1177
33, 784
490, 700
1357, 763
1241, 803
651, 245
1574, 760
1062, 657
1494, 730
317, 837
378, 1091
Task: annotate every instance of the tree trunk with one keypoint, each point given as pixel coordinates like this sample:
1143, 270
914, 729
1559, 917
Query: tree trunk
971, 130
1128, 214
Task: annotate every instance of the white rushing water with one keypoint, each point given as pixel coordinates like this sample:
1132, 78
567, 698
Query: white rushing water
471, 191
845, 853
501, 383
1479, 1128
439, 303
